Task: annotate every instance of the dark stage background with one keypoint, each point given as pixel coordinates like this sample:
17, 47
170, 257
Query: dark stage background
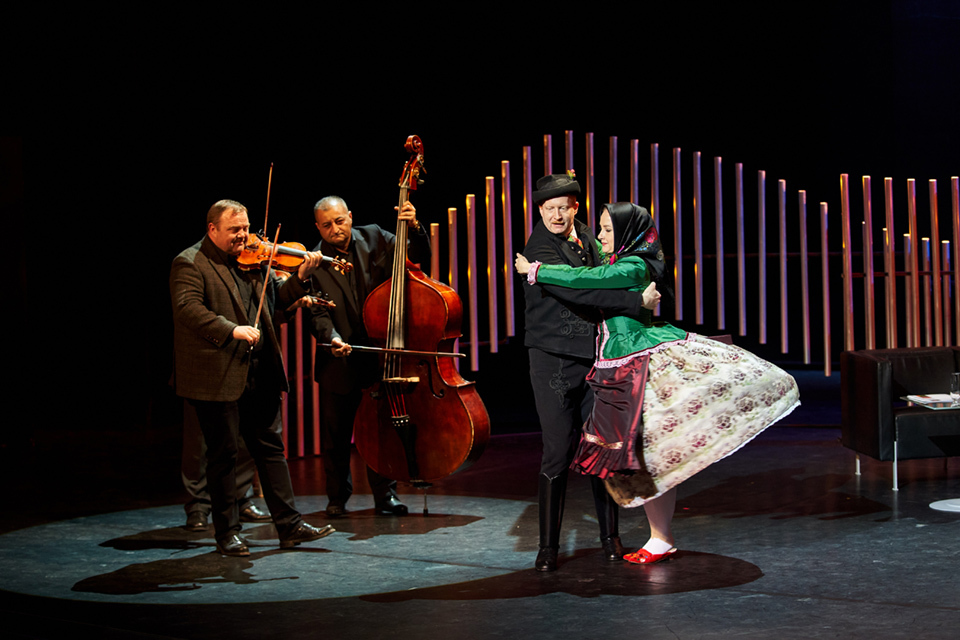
136, 135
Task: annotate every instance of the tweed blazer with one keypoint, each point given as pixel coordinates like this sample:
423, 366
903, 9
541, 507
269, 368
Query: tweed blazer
564, 321
209, 364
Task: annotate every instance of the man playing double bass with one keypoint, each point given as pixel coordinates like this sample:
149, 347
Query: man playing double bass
342, 379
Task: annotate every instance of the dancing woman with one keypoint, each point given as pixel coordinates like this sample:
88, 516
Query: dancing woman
668, 403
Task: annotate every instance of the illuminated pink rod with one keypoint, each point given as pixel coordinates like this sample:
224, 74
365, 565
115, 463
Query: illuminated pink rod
612, 172
890, 265
782, 217
677, 238
453, 273
654, 181
472, 281
909, 290
508, 276
528, 212
869, 306
718, 209
935, 244
491, 203
697, 240
762, 250
590, 182
913, 301
955, 199
547, 155
848, 340
825, 286
741, 252
804, 274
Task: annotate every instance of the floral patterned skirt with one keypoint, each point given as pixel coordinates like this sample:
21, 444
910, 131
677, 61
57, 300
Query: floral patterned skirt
701, 401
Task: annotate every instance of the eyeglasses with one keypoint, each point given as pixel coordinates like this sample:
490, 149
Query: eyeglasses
552, 210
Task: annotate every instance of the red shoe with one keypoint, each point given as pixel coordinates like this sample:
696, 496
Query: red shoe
645, 557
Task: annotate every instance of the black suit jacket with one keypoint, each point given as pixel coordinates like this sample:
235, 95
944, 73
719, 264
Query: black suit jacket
563, 321
372, 249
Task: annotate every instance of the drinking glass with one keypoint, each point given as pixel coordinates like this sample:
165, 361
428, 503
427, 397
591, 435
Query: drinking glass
955, 388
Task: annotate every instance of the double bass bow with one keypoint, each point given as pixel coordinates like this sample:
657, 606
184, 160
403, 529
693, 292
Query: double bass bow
422, 421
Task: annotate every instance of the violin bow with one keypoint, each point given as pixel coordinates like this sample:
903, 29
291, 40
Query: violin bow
266, 279
444, 354
266, 212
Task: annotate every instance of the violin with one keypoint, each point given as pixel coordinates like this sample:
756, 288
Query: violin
287, 259
422, 421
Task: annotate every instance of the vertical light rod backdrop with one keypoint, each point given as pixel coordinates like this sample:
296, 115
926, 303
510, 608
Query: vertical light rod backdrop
869, 305
453, 272
804, 274
782, 216
635, 171
913, 273
491, 202
909, 289
955, 199
741, 252
947, 321
472, 282
527, 195
612, 182
435, 251
697, 240
507, 248
547, 154
718, 210
677, 238
925, 285
655, 181
935, 248
591, 182
762, 250
890, 265
848, 341
825, 286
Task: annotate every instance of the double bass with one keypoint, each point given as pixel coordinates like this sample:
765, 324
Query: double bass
421, 421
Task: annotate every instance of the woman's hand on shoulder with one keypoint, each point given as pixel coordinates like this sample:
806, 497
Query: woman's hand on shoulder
521, 264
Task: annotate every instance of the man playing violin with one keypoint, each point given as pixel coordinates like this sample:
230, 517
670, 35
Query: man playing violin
342, 380
231, 371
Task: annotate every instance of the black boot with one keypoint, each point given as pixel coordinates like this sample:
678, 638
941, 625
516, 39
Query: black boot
552, 492
608, 515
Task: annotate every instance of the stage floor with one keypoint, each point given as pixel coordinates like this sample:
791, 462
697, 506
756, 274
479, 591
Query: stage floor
780, 540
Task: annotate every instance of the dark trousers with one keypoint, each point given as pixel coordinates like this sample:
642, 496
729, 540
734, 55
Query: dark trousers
564, 401
256, 418
337, 414
193, 467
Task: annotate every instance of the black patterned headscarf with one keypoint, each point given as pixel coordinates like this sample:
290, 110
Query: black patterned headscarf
635, 234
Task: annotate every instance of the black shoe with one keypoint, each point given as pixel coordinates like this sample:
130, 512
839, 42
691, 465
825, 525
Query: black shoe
612, 549
253, 513
196, 521
304, 532
546, 560
335, 510
391, 507
233, 545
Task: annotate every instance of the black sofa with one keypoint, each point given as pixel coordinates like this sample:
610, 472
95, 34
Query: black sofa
877, 423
